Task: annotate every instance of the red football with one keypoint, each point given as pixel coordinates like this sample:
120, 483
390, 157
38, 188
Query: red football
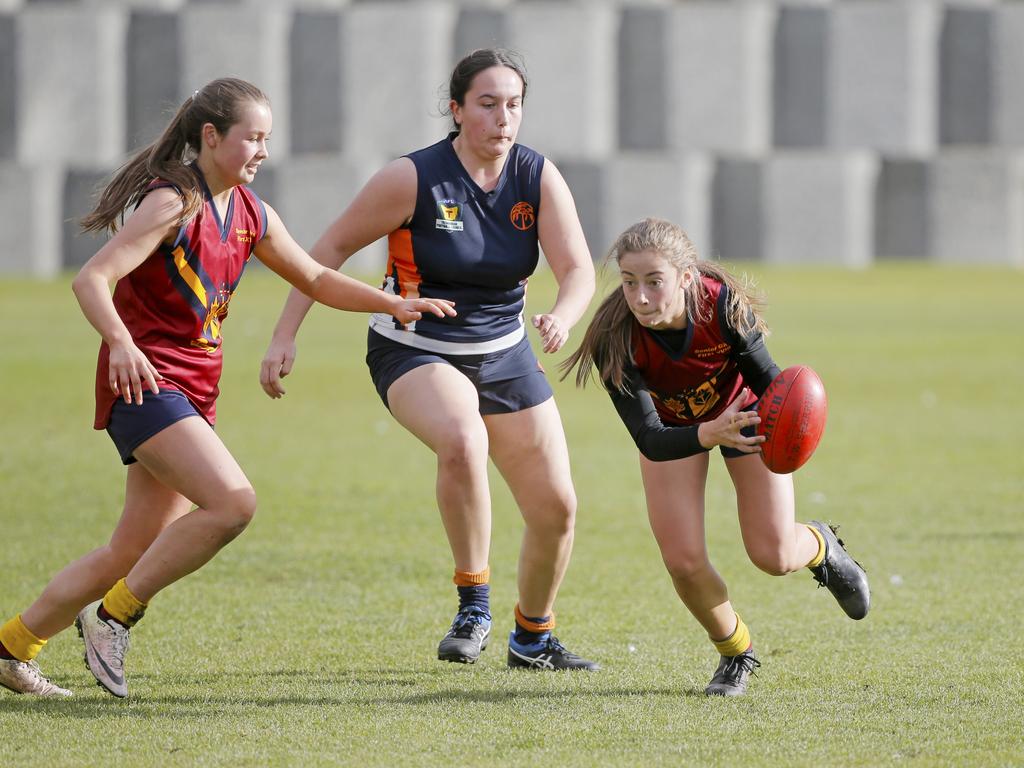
793, 411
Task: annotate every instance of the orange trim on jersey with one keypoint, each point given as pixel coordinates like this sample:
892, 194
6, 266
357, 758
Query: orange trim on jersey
402, 260
468, 579
534, 626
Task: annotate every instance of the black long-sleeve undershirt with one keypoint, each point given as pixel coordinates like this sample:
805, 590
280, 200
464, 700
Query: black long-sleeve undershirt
659, 442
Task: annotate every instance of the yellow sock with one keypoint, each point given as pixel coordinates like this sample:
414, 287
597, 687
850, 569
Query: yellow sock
737, 642
122, 605
19, 640
816, 560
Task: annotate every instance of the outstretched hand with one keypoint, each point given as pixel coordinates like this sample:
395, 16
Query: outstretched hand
728, 428
553, 331
277, 363
411, 310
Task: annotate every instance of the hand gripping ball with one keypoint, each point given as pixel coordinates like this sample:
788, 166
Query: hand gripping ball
793, 411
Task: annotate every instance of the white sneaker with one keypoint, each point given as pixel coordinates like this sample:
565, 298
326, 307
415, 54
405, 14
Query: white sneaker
25, 677
105, 647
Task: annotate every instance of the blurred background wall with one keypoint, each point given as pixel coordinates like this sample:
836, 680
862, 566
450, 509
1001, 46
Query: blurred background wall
839, 132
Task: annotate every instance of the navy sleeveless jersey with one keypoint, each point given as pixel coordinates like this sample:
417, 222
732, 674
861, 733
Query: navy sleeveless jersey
476, 248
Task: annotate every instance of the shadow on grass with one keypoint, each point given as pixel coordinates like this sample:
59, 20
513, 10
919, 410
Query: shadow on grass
251, 691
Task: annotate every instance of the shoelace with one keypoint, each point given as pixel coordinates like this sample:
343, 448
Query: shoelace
553, 646
39, 682
738, 665
465, 622
821, 572
119, 646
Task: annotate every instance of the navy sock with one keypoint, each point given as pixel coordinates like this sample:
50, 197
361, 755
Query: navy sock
477, 597
524, 636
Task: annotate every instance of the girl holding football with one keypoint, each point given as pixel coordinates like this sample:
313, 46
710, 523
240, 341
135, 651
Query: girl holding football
679, 347
174, 265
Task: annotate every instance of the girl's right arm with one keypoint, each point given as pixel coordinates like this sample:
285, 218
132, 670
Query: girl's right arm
382, 206
156, 219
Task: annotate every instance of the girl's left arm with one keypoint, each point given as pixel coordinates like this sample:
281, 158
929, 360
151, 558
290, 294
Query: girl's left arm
565, 248
279, 251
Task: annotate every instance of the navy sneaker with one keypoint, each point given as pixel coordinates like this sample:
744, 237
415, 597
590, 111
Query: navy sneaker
733, 674
546, 654
844, 576
467, 637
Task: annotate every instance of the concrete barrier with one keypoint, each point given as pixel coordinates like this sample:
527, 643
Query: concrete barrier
30, 197
570, 58
70, 83
883, 80
976, 207
818, 208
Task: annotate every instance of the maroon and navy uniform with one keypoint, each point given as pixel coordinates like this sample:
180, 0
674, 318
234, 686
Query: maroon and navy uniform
175, 302
682, 378
474, 247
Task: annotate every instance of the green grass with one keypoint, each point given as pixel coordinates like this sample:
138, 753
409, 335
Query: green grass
311, 639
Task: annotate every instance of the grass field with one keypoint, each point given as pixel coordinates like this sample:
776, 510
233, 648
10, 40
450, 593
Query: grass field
311, 639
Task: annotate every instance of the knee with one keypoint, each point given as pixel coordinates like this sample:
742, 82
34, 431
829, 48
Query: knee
236, 510
686, 567
462, 451
773, 560
557, 517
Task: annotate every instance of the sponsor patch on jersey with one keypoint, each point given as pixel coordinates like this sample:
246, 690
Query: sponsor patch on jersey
719, 349
449, 216
522, 216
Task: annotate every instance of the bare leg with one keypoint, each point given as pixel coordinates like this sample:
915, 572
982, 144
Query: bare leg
189, 457
529, 449
775, 542
675, 507
149, 508
440, 406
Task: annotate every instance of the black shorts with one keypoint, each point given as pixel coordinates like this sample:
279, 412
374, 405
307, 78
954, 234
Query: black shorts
131, 425
506, 381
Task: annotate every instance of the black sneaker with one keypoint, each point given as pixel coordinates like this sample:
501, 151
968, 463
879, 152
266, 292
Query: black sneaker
733, 674
547, 654
468, 636
843, 575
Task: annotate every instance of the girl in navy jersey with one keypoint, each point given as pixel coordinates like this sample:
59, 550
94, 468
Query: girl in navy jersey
680, 349
176, 262
464, 219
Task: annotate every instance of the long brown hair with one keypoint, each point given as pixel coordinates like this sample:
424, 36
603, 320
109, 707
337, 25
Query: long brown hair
219, 103
607, 342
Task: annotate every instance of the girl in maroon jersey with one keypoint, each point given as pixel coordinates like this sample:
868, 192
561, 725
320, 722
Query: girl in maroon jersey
175, 262
680, 349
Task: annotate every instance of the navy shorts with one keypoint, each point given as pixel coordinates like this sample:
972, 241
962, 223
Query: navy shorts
506, 381
131, 425
732, 453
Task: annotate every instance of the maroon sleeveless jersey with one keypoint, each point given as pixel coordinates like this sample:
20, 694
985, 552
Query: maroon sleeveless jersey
699, 381
175, 302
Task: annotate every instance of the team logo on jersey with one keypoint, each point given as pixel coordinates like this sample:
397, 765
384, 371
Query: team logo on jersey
693, 402
522, 216
449, 216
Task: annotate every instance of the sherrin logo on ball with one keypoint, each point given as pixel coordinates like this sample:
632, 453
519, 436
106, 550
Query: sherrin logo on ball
793, 411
